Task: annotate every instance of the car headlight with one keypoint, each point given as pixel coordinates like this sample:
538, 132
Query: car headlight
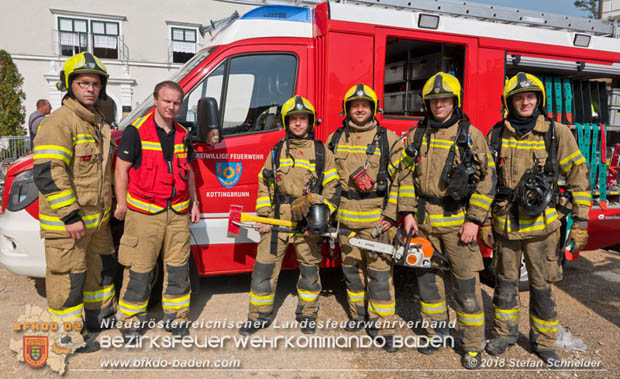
23, 192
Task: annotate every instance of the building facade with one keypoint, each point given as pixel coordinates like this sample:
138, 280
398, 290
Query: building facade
141, 42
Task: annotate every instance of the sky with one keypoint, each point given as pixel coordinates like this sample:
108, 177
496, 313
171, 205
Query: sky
565, 7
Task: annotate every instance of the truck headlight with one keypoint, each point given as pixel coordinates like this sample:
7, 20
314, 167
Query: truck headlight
23, 192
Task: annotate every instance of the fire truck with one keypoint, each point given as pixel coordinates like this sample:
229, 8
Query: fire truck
256, 61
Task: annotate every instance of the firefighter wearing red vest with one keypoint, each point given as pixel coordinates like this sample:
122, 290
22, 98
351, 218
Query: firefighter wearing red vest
291, 185
447, 180
367, 157
155, 192
73, 172
531, 150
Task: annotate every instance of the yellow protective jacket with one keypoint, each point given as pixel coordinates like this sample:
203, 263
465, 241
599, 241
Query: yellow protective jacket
421, 178
517, 154
350, 154
72, 161
296, 173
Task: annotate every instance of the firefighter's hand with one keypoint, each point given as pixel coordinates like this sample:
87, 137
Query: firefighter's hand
486, 235
385, 224
578, 236
195, 214
300, 207
409, 223
120, 211
76, 230
468, 232
262, 228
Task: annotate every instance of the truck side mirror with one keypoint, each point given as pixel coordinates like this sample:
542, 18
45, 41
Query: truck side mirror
209, 128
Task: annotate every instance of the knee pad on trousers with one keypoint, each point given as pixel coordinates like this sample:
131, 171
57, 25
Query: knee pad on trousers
465, 295
505, 296
75, 291
379, 285
261, 277
352, 276
178, 280
108, 271
541, 303
309, 280
139, 286
427, 286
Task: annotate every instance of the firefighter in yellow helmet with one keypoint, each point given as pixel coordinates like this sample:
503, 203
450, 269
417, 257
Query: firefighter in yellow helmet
72, 170
298, 182
446, 181
530, 151
367, 156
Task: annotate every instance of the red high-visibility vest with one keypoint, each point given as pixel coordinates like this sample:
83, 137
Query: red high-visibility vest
154, 183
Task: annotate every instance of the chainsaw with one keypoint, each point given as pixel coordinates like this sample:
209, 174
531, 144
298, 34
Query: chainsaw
406, 251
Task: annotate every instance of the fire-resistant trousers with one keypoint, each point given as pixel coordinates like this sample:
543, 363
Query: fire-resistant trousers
543, 267
370, 289
465, 261
267, 269
80, 276
145, 236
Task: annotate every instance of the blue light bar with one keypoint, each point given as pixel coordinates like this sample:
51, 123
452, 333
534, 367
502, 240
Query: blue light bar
279, 12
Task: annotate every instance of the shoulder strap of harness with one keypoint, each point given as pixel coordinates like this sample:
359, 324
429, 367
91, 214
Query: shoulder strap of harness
275, 163
319, 156
333, 143
460, 141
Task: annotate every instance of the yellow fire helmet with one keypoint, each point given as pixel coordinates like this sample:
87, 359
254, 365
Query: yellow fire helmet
441, 85
523, 82
296, 105
361, 91
82, 63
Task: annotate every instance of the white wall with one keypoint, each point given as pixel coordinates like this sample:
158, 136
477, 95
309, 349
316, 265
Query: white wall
27, 29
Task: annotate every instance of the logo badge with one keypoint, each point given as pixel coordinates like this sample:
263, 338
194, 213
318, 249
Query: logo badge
228, 173
35, 350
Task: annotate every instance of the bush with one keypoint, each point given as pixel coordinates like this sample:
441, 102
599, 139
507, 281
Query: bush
12, 112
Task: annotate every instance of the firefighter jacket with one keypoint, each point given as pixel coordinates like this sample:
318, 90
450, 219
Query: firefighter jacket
517, 154
350, 154
159, 183
72, 169
420, 180
295, 176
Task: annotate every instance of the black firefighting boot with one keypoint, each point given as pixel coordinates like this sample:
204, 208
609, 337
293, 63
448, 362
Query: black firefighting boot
389, 344
498, 345
471, 360
550, 358
252, 326
307, 325
354, 325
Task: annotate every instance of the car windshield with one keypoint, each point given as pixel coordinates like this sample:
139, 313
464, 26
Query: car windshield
176, 77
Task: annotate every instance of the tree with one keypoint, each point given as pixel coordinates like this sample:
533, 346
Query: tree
12, 112
592, 6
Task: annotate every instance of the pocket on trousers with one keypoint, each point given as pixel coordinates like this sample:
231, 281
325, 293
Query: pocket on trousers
126, 249
554, 271
59, 255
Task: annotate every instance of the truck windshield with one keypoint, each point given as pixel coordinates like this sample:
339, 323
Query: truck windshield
176, 77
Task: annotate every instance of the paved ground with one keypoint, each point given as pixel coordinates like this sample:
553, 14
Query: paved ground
588, 301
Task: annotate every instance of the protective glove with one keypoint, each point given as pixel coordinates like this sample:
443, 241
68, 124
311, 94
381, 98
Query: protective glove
578, 236
486, 235
301, 205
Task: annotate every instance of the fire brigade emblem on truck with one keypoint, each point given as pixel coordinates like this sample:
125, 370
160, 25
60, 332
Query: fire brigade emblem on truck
35, 350
228, 173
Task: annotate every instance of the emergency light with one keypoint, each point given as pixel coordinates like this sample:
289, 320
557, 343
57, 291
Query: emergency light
279, 12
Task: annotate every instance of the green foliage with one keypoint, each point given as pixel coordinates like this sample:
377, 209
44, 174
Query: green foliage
591, 6
12, 112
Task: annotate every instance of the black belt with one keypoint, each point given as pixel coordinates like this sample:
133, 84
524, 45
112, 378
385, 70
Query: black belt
354, 195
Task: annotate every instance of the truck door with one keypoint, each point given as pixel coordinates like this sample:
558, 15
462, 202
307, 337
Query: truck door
250, 83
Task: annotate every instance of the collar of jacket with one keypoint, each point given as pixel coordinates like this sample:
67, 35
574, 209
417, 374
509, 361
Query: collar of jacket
356, 128
542, 125
83, 113
457, 116
301, 142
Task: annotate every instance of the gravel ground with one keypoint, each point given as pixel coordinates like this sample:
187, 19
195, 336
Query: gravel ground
588, 303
